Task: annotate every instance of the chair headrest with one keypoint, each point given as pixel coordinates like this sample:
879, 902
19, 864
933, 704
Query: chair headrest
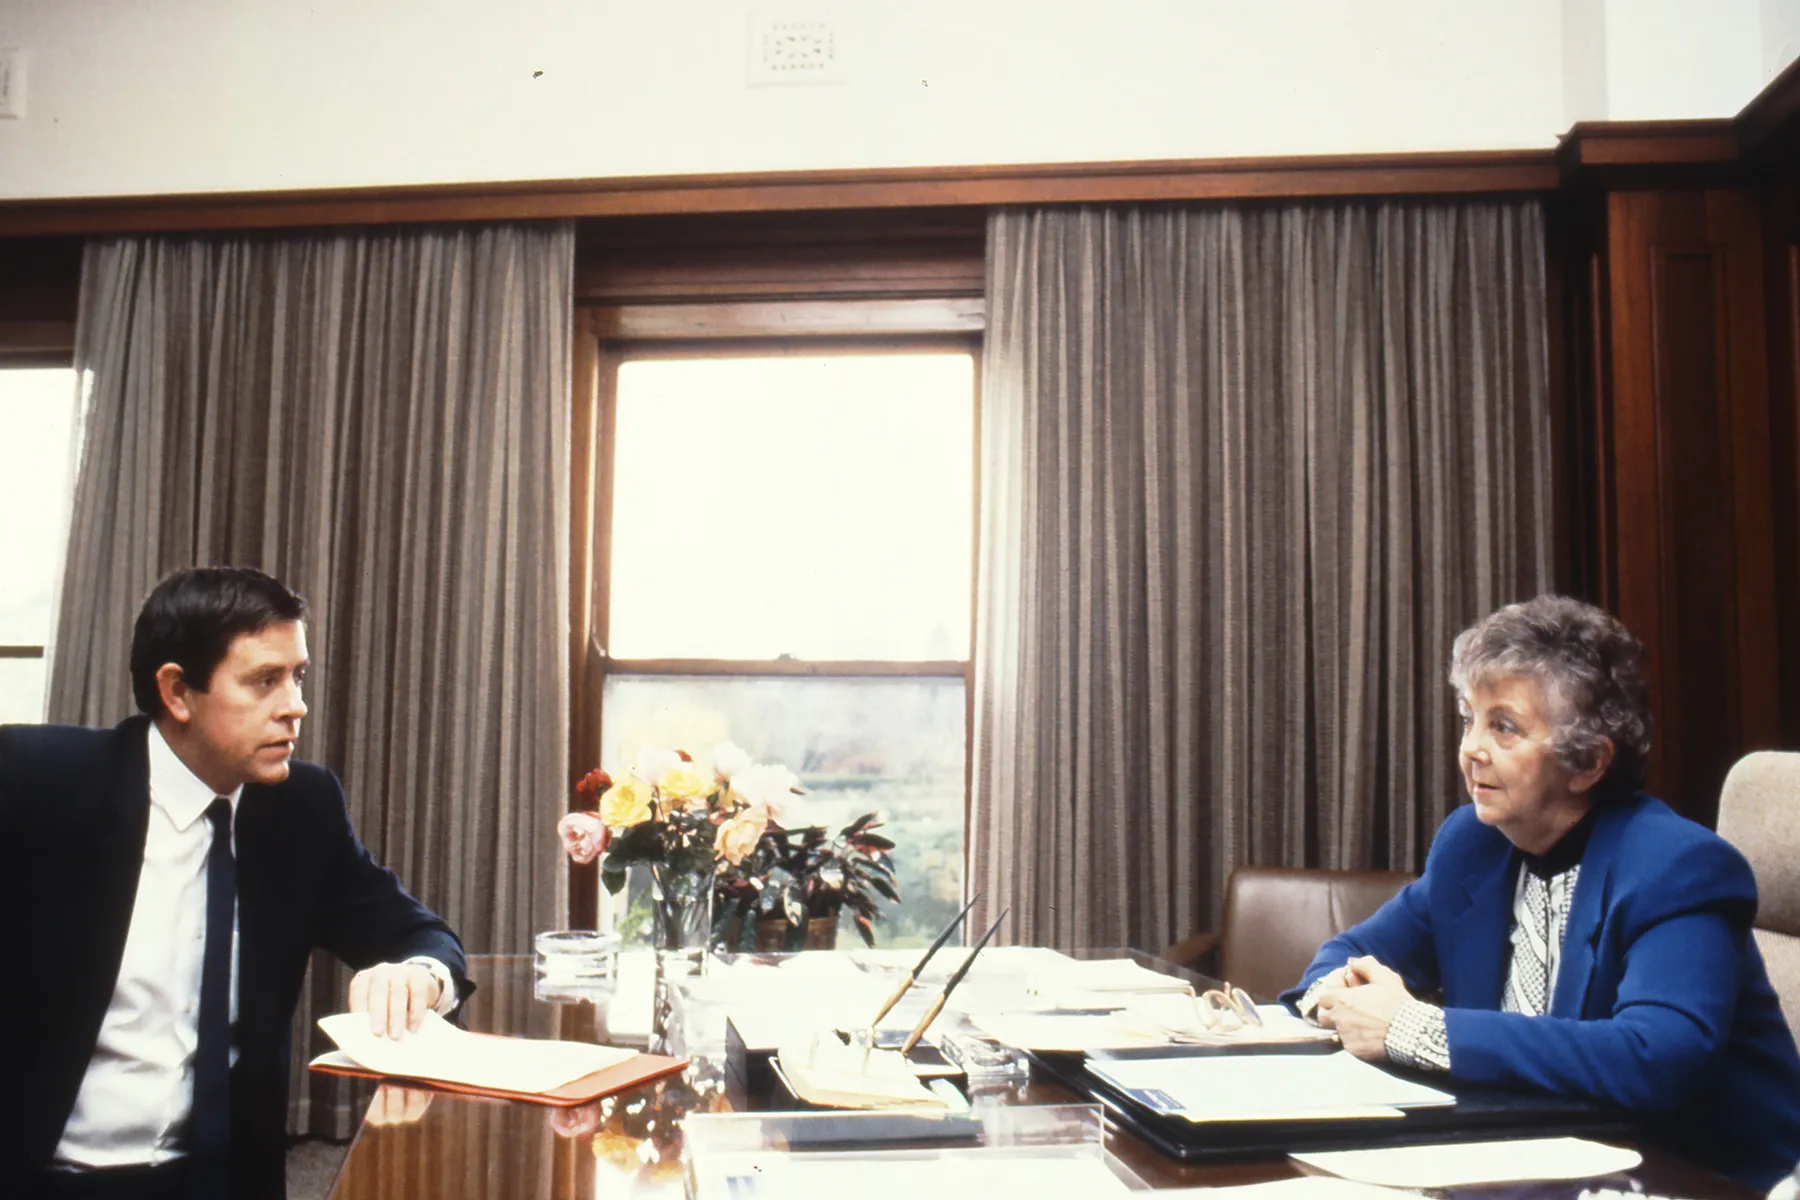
1759, 813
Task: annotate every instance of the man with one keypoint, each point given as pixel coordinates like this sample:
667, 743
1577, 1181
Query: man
165, 883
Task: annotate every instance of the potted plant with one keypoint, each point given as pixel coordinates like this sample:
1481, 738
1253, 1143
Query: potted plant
785, 890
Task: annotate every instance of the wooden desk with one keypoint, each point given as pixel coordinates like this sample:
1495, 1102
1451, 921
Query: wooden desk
465, 1148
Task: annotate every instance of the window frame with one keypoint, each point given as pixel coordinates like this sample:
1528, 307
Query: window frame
598, 358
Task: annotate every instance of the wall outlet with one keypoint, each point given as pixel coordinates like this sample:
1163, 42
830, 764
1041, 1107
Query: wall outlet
797, 48
12, 83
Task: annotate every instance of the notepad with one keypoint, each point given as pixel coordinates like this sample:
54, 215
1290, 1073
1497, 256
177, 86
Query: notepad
441, 1052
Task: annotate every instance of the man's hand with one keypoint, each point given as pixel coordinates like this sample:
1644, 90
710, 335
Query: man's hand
395, 995
1363, 1007
394, 1105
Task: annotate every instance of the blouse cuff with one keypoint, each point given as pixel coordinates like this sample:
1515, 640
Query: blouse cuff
1417, 1038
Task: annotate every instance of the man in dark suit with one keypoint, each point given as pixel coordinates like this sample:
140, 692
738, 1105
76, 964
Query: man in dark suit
166, 881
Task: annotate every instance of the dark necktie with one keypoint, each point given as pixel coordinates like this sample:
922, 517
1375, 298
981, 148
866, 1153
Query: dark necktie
211, 1122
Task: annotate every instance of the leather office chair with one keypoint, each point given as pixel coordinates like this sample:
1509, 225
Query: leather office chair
1276, 918
1759, 813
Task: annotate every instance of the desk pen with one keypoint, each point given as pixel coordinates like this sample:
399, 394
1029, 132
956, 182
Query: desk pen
937, 1006
912, 976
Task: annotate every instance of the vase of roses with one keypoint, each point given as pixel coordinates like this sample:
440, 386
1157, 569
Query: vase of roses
680, 819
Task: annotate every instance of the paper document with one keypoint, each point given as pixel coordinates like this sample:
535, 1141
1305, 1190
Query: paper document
1265, 1087
441, 1051
1463, 1164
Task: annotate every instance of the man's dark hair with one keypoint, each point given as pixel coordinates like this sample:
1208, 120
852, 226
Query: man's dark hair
191, 618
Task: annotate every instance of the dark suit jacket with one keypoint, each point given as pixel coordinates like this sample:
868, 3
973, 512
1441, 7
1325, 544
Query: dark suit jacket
1662, 1004
74, 808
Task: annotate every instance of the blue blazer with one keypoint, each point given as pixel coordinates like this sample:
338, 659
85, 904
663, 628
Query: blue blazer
1662, 1005
74, 810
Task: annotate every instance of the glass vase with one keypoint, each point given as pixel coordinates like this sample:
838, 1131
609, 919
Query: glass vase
681, 895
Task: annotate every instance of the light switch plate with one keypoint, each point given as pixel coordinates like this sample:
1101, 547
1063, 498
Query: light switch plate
12, 82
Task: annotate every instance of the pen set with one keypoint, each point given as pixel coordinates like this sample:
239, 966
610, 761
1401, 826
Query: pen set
912, 977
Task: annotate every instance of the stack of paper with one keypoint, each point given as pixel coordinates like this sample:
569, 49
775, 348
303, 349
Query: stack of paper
1099, 983
1265, 1087
826, 1072
1144, 1022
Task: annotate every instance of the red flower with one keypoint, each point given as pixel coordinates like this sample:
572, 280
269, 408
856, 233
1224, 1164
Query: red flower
590, 787
684, 756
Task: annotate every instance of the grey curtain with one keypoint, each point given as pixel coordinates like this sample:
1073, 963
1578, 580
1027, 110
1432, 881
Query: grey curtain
380, 420
1246, 472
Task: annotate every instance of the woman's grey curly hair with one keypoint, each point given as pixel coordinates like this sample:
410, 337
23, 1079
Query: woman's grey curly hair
1591, 670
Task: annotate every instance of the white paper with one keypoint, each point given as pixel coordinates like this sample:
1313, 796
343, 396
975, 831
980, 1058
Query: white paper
1266, 1087
1064, 1031
440, 1051
1103, 975
1460, 1164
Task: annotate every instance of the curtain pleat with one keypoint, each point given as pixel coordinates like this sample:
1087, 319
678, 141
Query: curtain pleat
381, 420
1246, 472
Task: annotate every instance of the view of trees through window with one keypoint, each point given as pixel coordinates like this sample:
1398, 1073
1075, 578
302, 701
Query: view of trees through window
770, 512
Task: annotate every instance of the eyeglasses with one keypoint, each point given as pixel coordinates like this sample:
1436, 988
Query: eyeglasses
1226, 1008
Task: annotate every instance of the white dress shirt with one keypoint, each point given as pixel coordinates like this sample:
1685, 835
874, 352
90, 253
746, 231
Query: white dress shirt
134, 1100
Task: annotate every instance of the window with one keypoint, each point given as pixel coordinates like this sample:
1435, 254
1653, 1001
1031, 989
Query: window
790, 567
37, 475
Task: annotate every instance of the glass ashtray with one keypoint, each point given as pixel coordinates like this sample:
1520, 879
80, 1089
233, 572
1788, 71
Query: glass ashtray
984, 1060
567, 957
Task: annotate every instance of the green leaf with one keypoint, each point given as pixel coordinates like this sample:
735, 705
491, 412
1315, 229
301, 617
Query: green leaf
613, 878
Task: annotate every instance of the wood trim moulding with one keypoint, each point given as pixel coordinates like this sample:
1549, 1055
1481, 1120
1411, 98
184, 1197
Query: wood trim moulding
1433, 173
1611, 152
37, 343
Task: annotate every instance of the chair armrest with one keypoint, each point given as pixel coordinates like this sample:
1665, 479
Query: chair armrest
1195, 951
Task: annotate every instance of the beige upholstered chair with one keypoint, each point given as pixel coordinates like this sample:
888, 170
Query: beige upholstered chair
1759, 813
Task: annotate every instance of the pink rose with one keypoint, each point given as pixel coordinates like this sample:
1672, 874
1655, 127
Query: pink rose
583, 836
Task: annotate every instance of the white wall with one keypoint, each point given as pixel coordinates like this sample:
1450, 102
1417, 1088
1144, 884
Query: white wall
1669, 59
142, 96
1780, 22
139, 96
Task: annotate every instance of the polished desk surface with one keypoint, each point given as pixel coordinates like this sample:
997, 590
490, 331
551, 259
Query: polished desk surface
414, 1143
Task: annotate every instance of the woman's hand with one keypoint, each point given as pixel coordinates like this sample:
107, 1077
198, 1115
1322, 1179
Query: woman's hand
1363, 1007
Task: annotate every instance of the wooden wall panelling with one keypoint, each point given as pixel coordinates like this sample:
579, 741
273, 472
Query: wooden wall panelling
1689, 533
1782, 284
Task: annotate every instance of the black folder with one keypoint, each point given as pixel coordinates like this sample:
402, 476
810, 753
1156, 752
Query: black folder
1480, 1113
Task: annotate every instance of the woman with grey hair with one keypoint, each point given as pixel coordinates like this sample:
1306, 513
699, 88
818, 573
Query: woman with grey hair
1585, 939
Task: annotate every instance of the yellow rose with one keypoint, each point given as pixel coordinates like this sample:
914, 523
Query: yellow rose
626, 803
738, 836
684, 787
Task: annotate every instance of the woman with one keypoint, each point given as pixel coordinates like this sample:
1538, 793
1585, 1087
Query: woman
1585, 939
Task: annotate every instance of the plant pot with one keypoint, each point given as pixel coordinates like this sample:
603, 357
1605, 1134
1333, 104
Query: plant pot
774, 935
